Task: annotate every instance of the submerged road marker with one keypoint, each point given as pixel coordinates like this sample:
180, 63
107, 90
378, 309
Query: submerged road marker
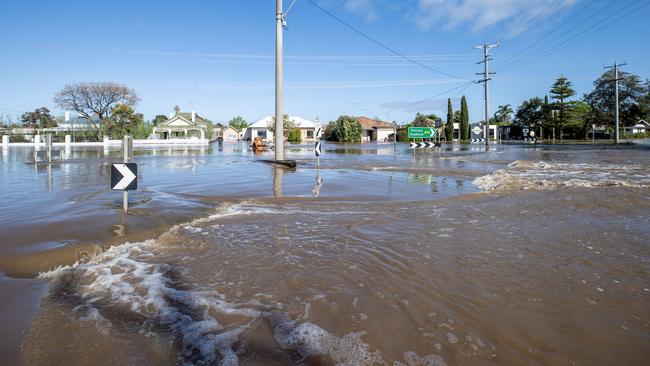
124, 177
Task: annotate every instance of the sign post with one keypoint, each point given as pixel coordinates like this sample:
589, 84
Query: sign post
124, 177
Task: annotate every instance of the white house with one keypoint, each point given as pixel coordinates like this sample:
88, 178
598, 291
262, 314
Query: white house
261, 129
374, 130
229, 134
182, 126
640, 127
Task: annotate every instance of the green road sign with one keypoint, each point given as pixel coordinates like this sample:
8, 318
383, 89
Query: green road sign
421, 132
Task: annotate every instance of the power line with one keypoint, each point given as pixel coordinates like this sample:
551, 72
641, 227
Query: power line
464, 86
503, 30
589, 3
486, 77
381, 44
572, 40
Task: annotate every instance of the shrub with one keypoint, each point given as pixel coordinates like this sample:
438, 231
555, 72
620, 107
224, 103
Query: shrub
347, 130
295, 135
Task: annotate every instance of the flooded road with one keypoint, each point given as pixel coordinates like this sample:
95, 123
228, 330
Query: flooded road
518, 255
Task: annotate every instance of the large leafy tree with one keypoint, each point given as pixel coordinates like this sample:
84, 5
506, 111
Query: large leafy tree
530, 113
633, 100
287, 125
95, 99
449, 126
503, 113
159, 118
123, 120
238, 123
464, 119
424, 120
561, 91
580, 119
39, 118
347, 129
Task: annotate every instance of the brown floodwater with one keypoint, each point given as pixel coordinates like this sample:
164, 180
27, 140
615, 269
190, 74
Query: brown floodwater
515, 255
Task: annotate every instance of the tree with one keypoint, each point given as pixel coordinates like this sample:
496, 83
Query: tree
39, 118
238, 123
579, 120
159, 118
449, 126
347, 129
464, 119
123, 121
631, 98
287, 125
530, 112
422, 120
98, 99
561, 91
502, 115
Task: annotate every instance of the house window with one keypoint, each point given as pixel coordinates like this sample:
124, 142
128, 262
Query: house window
310, 134
261, 133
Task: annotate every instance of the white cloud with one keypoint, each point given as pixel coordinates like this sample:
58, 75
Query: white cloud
516, 15
365, 8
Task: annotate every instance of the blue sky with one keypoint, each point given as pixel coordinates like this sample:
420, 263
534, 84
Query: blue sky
216, 57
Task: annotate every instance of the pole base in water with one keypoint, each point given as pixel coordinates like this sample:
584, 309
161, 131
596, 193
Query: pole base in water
286, 163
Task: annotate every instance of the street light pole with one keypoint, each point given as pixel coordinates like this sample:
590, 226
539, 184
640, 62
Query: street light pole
279, 118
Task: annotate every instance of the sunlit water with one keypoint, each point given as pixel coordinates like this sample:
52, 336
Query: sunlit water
516, 255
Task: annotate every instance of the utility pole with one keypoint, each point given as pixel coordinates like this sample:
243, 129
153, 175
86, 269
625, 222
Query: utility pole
486, 77
616, 79
279, 117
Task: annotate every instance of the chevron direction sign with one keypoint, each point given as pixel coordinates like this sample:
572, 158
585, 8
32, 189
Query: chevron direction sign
317, 149
478, 140
124, 176
415, 145
421, 132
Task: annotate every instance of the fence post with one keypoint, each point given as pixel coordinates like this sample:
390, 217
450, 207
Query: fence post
67, 141
5, 141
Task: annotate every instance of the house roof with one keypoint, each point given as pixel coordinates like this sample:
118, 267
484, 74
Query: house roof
642, 123
188, 117
186, 120
299, 121
369, 123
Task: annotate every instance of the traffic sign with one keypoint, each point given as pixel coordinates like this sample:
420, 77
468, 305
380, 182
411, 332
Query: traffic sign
415, 145
421, 132
476, 130
124, 177
532, 133
317, 149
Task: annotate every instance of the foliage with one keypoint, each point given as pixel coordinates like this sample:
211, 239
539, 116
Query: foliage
287, 125
503, 113
464, 119
530, 112
98, 99
449, 126
422, 120
295, 135
327, 131
561, 90
347, 129
123, 121
238, 123
633, 98
159, 118
39, 118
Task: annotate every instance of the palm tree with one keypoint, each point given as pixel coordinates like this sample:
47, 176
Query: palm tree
503, 113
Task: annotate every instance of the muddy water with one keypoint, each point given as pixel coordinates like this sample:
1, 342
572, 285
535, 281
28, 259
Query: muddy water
512, 256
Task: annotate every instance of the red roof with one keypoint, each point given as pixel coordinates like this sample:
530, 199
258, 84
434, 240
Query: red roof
369, 123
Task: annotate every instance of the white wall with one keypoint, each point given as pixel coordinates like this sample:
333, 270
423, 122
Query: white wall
383, 133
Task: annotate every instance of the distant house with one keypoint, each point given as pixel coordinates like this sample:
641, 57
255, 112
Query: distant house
640, 127
374, 130
229, 134
261, 129
182, 126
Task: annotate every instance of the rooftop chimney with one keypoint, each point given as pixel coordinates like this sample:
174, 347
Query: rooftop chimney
66, 116
193, 117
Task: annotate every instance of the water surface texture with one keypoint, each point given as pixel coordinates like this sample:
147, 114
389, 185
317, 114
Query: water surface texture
514, 255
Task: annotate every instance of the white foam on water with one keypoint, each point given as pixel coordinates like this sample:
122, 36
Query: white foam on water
308, 339
546, 175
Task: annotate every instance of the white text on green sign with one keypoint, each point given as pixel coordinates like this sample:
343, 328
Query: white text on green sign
421, 132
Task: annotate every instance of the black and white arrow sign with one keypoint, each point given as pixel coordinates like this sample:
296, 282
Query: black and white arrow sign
124, 177
478, 140
415, 145
317, 149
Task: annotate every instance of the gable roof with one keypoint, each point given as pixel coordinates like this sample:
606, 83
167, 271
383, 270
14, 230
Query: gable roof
642, 123
176, 118
369, 123
187, 116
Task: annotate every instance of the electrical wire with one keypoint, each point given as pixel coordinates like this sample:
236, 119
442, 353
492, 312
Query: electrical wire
381, 44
